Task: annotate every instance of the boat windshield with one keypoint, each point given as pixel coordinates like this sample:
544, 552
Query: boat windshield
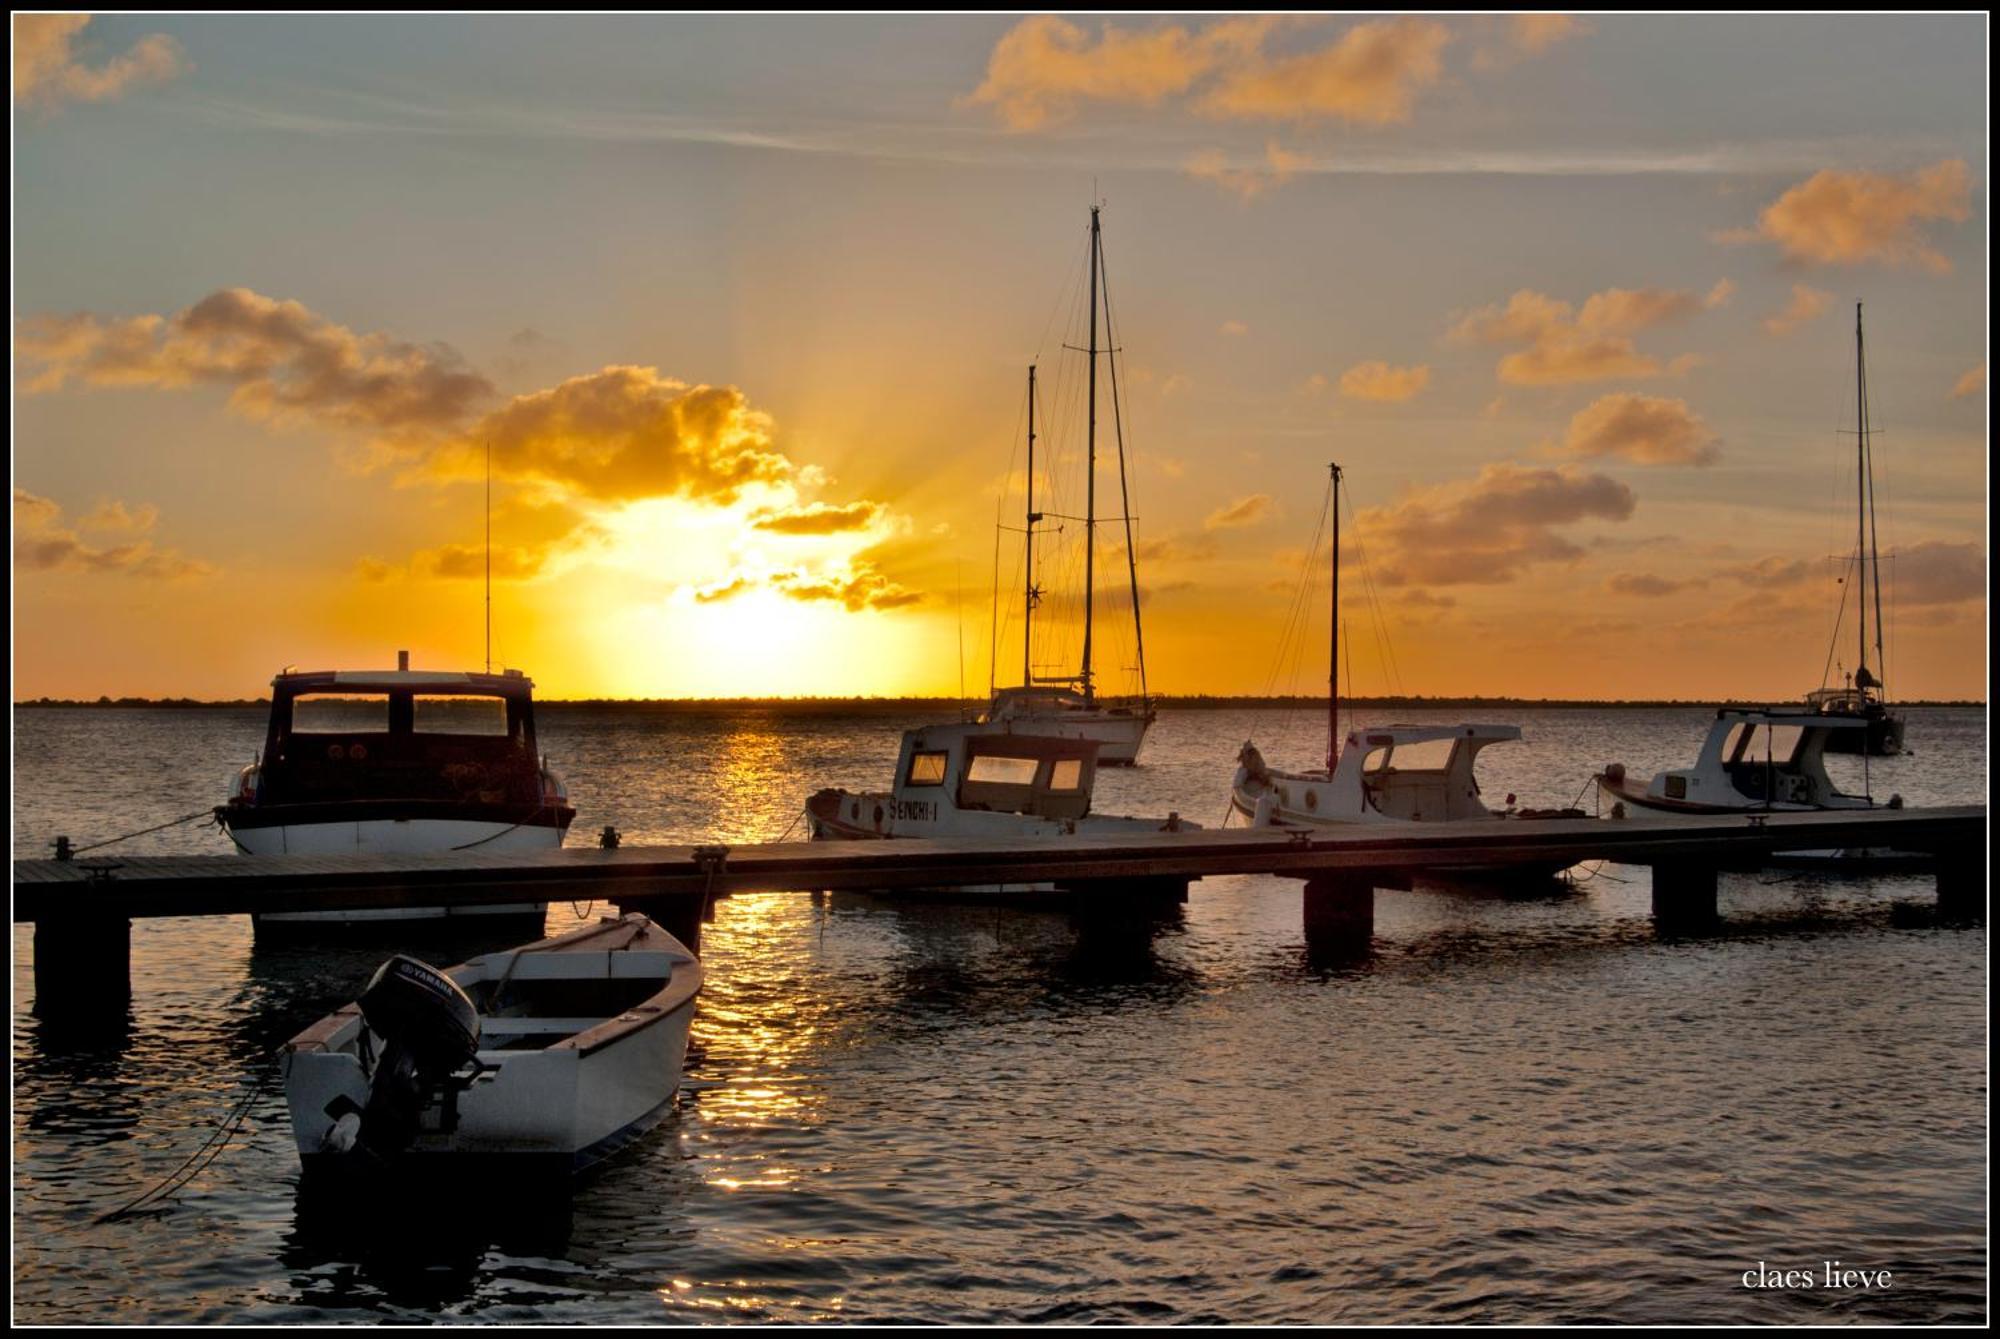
1751, 741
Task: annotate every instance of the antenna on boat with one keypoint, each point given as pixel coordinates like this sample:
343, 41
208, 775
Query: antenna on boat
958, 605
1032, 594
489, 555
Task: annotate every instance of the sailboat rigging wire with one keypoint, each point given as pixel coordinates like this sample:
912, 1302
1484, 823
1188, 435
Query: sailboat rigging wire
1385, 649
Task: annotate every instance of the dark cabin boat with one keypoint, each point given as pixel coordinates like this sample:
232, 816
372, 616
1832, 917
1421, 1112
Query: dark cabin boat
398, 761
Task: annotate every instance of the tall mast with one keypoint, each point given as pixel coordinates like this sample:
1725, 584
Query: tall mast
1861, 494
1333, 639
1874, 534
1028, 596
1090, 488
1124, 487
489, 557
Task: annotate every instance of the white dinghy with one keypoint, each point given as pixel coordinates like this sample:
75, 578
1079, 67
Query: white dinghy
545, 1059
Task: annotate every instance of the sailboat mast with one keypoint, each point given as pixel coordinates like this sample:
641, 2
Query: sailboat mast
1090, 487
1333, 639
1124, 487
1028, 596
1874, 533
1861, 492
489, 557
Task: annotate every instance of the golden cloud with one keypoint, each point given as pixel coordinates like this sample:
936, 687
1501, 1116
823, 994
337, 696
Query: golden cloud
47, 72
1371, 76
42, 543
1971, 382
1379, 381
1044, 67
1485, 531
1536, 33
1246, 183
1807, 304
1243, 511
1564, 345
819, 518
1850, 218
1644, 429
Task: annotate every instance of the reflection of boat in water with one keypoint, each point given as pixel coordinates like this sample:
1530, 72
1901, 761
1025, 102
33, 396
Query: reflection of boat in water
1383, 774
1069, 705
1862, 695
970, 780
398, 761
548, 1058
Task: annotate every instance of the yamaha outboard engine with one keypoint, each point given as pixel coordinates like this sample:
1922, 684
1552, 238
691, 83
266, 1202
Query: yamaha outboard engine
429, 1030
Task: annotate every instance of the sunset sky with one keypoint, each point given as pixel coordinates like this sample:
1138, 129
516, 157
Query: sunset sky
742, 308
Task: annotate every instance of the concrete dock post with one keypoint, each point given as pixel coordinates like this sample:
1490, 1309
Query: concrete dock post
1340, 914
1684, 897
1962, 889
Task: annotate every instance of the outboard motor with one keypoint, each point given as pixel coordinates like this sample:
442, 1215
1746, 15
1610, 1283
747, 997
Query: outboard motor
429, 1030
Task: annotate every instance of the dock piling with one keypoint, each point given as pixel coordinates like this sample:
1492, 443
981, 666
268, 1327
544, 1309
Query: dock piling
83, 968
1340, 913
1961, 883
1684, 896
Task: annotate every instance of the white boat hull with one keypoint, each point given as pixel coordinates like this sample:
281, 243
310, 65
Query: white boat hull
415, 836
565, 1108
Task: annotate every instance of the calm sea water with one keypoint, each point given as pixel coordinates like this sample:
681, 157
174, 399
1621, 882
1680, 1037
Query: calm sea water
1516, 1110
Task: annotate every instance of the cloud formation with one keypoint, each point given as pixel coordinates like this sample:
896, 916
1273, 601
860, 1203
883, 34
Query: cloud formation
1644, 429
1558, 344
47, 72
1045, 67
43, 544
282, 362
1249, 182
1243, 511
579, 451
1377, 380
1807, 304
1370, 76
1853, 218
1486, 531
1970, 382
819, 518
1645, 585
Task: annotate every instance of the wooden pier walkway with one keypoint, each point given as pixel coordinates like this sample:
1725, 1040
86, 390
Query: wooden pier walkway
82, 907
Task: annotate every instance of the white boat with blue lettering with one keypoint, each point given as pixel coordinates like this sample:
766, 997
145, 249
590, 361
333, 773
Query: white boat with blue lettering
542, 1060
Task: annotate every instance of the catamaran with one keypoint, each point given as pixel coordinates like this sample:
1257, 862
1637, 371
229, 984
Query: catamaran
1068, 705
1862, 696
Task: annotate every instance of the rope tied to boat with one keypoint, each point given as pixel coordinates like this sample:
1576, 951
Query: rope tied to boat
65, 851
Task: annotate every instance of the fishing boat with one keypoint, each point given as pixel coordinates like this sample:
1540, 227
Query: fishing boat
1752, 761
1068, 705
536, 1061
398, 761
1380, 774
973, 780
1862, 696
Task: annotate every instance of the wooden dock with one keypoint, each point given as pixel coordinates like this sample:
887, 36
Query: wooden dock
82, 907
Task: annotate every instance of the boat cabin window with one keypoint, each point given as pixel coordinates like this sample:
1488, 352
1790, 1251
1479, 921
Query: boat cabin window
340, 714
1067, 774
1002, 770
459, 714
1428, 755
1376, 761
927, 769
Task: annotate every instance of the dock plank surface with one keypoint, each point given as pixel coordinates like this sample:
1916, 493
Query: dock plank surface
147, 886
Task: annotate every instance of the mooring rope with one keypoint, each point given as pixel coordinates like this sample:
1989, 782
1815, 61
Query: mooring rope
191, 1166
157, 827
